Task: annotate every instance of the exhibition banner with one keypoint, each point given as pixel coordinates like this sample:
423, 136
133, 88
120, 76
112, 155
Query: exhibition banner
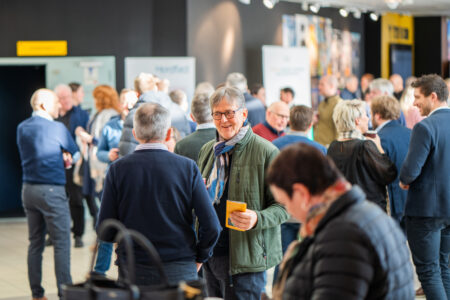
286, 67
180, 71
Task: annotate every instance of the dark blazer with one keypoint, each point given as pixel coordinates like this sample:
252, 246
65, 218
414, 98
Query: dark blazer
78, 117
190, 146
356, 252
395, 142
426, 167
256, 110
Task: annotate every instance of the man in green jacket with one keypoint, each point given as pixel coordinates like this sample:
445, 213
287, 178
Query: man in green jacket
233, 167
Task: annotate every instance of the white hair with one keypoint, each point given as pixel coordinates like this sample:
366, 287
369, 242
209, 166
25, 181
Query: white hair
237, 80
151, 122
382, 85
346, 112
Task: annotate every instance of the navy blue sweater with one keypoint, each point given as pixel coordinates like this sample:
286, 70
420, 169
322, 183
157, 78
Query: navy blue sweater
40, 142
154, 192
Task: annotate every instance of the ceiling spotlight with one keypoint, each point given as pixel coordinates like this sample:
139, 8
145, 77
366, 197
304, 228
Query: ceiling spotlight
245, 1
314, 8
373, 16
305, 6
343, 12
270, 3
393, 4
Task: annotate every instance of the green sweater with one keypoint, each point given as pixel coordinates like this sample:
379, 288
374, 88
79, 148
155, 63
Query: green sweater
190, 146
258, 249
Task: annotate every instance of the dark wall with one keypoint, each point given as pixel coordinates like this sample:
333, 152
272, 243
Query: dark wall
372, 46
226, 36
427, 44
102, 27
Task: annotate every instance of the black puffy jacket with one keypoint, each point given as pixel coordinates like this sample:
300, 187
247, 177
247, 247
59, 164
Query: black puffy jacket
357, 252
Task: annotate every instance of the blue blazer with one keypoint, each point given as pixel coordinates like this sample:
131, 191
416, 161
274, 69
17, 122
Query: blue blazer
395, 142
79, 117
426, 167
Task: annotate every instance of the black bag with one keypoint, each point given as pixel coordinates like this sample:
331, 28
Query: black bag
100, 288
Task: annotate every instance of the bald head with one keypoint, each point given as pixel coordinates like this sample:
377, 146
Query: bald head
46, 100
277, 115
397, 82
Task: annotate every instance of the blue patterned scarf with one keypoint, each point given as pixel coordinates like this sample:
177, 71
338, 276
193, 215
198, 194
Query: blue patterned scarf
219, 175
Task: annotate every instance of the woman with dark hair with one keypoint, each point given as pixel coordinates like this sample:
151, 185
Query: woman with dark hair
350, 248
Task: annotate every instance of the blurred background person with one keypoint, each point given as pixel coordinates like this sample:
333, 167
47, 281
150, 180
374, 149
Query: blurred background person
179, 97
206, 130
175, 137
77, 93
361, 159
204, 87
411, 112
107, 104
397, 83
325, 130
350, 90
277, 117
287, 95
258, 91
366, 79
163, 85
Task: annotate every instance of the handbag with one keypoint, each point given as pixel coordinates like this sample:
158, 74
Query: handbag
100, 288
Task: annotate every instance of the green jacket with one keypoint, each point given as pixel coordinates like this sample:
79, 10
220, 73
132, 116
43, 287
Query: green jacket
257, 249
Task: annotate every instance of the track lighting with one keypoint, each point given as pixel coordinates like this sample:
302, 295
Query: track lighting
374, 16
314, 8
270, 3
343, 12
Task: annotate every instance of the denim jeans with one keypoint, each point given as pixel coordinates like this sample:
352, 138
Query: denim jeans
47, 210
429, 240
245, 286
103, 257
176, 271
289, 233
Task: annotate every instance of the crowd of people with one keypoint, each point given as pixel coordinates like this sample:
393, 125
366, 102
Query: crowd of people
344, 202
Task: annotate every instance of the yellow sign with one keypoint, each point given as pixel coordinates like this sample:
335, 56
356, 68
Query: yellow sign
41, 48
395, 29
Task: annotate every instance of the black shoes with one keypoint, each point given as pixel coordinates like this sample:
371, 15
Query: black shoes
78, 242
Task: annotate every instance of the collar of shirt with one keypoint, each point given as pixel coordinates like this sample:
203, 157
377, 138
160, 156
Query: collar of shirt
151, 146
298, 133
278, 133
439, 108
382, 125
205, 126
42, 114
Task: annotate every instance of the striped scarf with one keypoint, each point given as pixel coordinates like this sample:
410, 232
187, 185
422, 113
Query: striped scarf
219, 175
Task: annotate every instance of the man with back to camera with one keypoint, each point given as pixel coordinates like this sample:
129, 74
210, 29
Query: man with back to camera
395, 142
426, 176
277, 117
45, 146
201, 113
256, 110
154, 191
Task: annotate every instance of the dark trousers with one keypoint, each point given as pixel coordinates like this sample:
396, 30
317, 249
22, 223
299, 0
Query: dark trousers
429, 240
47, 210
176, 271
74, 192
289, 233
245, 286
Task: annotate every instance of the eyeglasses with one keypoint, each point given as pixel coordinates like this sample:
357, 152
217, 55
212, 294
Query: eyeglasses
229, 114
280, 115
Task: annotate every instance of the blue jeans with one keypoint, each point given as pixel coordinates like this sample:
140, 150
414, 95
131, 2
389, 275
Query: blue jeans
47, 210
429, 240
103, 257
176, 271
289, 233
245, 286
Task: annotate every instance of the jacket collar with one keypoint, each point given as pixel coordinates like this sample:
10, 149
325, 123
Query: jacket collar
241, 144
355, 195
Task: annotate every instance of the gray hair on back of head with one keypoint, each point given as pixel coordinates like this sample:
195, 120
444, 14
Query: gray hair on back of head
346, 112
231, 94
151, 122
382, 85
237, 80
200, 108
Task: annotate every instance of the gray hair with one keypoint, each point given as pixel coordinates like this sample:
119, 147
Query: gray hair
204, 88
231, 94
237, 80
151, 122
346, 112
382, 85
61, 87
200, 109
